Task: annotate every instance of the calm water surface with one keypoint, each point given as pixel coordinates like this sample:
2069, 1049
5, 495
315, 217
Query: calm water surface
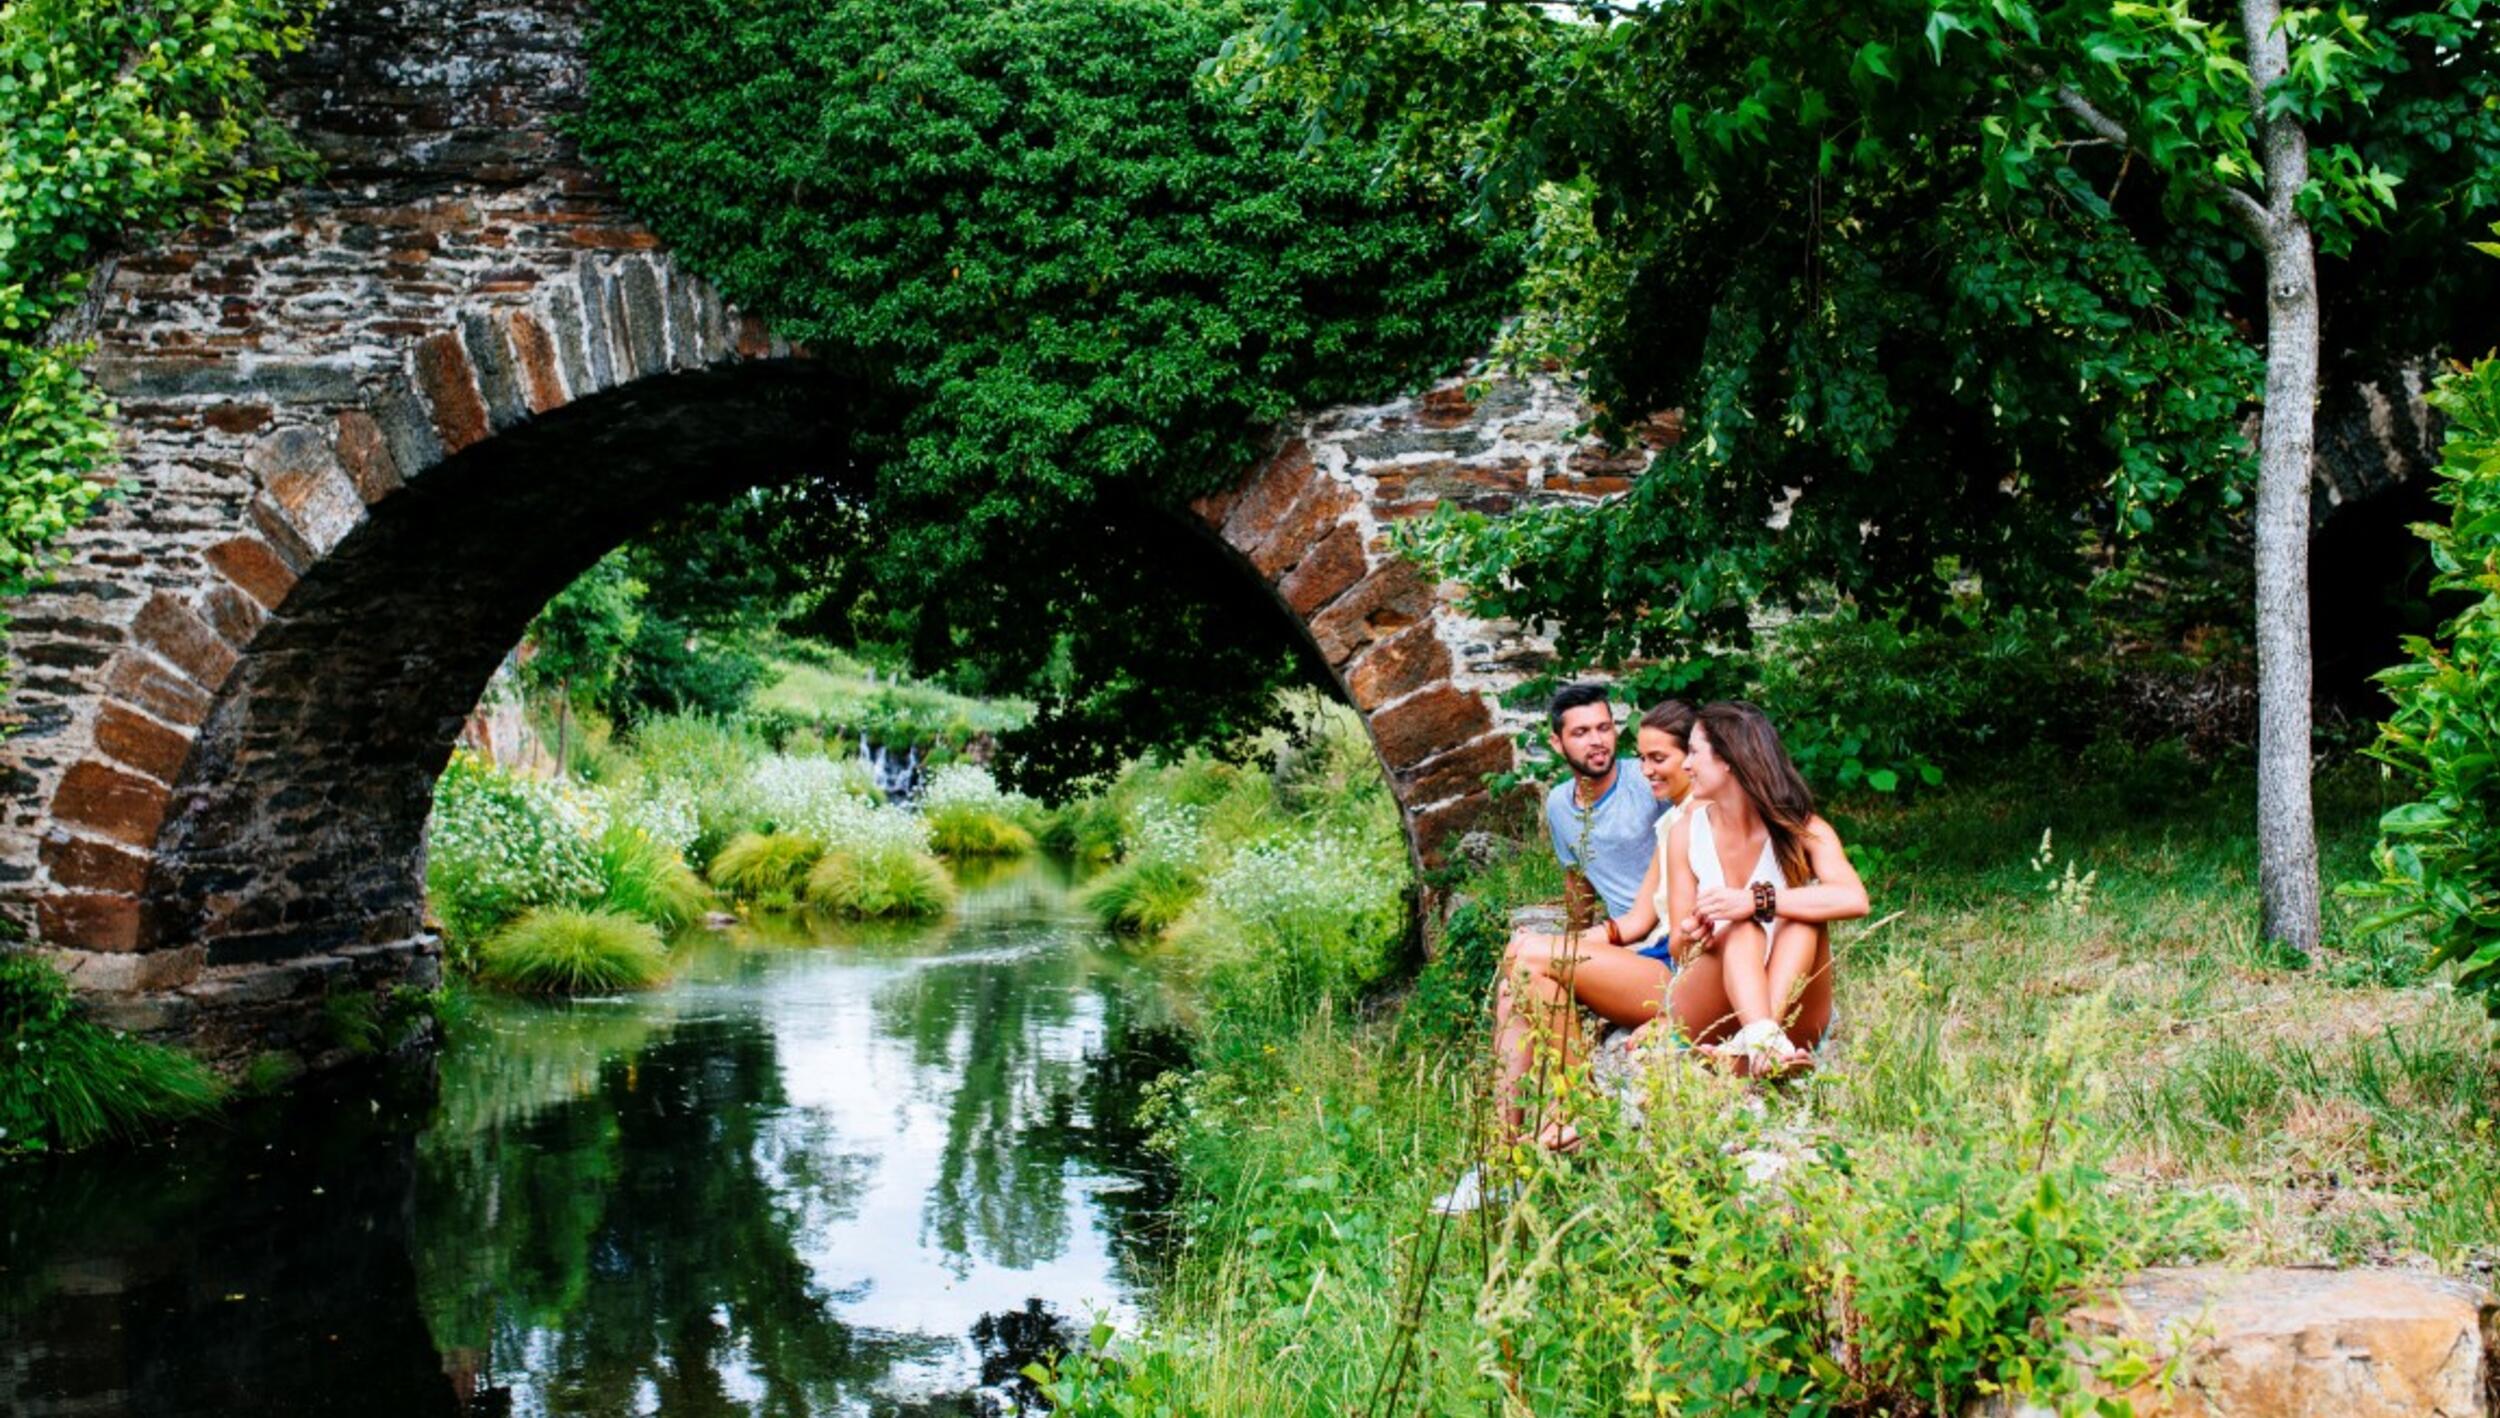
827, 1170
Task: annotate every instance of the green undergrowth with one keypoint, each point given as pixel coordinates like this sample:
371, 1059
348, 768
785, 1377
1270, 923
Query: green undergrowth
559, 950
768, 868
66, 1083
2063, 1053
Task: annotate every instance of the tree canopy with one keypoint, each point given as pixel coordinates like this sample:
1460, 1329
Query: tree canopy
1950, 293
1069, 276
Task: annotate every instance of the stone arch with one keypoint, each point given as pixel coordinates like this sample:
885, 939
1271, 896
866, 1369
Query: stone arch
372, 425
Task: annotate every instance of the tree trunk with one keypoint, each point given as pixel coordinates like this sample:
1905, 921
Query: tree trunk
2287, 847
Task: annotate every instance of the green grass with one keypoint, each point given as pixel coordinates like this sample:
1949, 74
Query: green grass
66, 1083
1144, 898
647, 879
768, 868
839, 695
562, 951
880, 881
963, 830
2116, 1077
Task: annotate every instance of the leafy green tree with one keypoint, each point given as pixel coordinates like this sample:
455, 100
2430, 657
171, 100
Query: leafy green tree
1073, 286
1945, 290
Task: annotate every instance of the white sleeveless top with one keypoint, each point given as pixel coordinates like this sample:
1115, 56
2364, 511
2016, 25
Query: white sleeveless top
1707, 872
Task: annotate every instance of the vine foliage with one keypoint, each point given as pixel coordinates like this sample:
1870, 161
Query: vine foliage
116, 120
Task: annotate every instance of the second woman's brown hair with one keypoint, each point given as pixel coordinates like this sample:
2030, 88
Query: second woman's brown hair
1744, 740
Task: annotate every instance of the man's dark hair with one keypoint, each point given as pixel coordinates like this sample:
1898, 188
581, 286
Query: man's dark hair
1570, 697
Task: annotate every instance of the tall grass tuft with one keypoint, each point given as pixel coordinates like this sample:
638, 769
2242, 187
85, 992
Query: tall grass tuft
880, 880
1145, 897
559, 950
962, 830
766, 867
647, 878
66, 1083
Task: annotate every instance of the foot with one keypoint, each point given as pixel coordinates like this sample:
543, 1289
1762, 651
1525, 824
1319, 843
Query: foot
1470, 1194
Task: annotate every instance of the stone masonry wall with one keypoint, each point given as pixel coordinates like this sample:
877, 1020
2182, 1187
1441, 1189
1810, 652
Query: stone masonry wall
371, 425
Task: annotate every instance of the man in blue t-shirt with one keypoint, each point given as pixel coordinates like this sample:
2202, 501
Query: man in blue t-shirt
1603, 821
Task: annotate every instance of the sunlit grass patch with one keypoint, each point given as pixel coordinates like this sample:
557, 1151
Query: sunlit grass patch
961, 830
879, 880
647, 879
564, 951
768, 868
1145, 897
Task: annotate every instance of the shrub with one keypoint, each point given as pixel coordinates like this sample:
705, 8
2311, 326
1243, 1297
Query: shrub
1085, 830
559, 950
766, 867
498, 844
1147, 896
66, 1082
879, 880
646, 878
2439, 857
969, 817
1290, 923
706, 764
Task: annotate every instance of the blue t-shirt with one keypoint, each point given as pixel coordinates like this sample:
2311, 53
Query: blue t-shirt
1622, 832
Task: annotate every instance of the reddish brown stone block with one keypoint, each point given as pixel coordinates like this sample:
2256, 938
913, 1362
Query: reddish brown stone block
83, 864
1447, 480
143, 682
234, 616
238, 418
542, 383
1458, 772
1323, 575
450, 388
1446, 407
141, 742
1590, 487
612, 238
1266, 495
122, 806
752, 339
250, 564
1436, 829
1397, 666
1596, 461
169, 628
366, 457
1392, 597
1215, 506
87, 921
1323, 502
1425, 725
1663, 429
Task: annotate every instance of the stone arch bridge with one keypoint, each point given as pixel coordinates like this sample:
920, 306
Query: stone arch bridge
371, 425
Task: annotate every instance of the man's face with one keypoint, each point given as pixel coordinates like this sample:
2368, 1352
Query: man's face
1586, 739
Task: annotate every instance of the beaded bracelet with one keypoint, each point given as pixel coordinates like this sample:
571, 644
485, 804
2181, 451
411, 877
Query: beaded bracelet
1765, 902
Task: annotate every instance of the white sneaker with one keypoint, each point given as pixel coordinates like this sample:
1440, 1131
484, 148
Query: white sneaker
1470, 1195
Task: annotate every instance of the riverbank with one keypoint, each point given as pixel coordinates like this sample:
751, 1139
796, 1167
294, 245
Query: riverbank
2064, 1054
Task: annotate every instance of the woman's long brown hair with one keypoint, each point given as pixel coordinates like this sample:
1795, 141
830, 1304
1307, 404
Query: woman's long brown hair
1744, 740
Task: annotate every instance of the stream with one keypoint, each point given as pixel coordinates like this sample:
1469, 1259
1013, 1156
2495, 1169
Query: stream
826, 1169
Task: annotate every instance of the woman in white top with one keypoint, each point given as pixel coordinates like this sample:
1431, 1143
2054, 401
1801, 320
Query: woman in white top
1612, 967
1755, 880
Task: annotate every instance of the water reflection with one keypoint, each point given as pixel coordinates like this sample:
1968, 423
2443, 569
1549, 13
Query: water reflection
826, 1171
842, 1170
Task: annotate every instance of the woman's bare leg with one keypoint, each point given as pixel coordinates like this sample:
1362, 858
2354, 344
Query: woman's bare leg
1699, 1001
1741, 966
1541, 981
1801, 973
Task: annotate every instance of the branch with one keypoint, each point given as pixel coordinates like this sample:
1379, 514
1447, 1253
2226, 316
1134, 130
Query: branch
2246, 211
